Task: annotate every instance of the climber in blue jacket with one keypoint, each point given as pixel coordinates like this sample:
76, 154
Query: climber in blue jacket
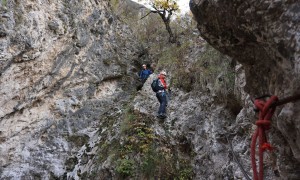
144, 73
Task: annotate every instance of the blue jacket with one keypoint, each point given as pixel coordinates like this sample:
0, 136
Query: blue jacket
145, 73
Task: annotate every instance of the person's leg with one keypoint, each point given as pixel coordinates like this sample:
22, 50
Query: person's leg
158, 95
162, 107
167, 98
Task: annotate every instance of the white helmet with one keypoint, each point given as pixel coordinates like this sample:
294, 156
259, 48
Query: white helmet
163, 73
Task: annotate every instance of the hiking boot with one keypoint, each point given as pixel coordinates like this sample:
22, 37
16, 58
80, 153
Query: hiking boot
161, 116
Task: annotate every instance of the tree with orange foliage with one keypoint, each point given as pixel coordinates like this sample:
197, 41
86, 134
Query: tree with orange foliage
165, 9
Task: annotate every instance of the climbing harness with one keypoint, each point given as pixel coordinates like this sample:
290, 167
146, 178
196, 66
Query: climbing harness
266, 109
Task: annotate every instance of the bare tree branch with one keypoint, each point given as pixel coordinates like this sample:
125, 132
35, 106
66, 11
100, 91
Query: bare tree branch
148, 14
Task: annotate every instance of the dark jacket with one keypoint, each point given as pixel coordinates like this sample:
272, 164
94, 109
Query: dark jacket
144, 74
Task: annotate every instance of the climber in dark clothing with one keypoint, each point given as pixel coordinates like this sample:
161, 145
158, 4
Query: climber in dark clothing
144, 73
162, 95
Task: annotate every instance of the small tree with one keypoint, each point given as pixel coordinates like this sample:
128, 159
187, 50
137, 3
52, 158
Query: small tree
165, 9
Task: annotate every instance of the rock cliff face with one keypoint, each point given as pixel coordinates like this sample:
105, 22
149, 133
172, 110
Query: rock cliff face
69, 108
264, 37
63, 64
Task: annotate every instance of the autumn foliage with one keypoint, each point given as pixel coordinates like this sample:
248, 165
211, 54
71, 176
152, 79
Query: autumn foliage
165, 9
167, 5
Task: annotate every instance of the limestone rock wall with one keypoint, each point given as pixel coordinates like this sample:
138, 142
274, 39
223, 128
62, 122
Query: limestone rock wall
62, 65
68, 85
264, 37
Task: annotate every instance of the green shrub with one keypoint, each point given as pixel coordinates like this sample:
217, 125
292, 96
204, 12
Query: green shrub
129, 118
125, 167
216, 69
4, 3
140, 154
185, 174
150, 163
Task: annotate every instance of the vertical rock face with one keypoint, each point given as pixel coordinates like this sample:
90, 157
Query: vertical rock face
62, 65
67, 78
264, 37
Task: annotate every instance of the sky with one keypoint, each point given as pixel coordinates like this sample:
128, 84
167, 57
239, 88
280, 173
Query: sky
183, 5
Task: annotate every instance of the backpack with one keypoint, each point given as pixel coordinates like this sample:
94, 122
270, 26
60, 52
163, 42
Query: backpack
154, 85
